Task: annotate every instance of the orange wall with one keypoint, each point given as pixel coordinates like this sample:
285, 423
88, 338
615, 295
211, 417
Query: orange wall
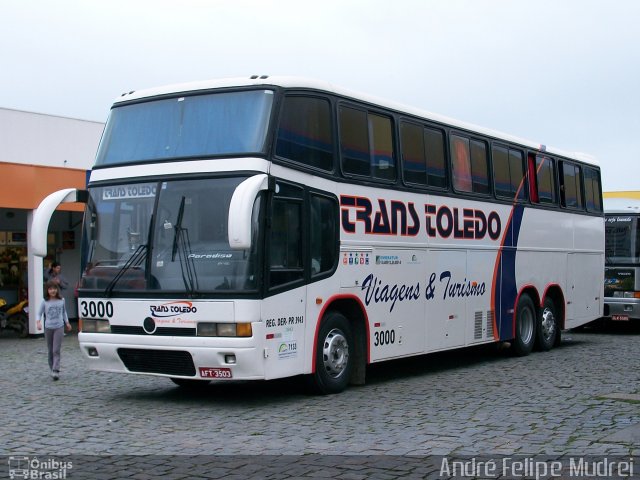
25, 186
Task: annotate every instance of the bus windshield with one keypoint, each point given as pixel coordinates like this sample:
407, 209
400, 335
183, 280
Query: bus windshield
197, 126
622, 239
169, 235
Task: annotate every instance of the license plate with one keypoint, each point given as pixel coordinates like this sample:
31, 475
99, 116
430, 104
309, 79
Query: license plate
212, 372
620, 318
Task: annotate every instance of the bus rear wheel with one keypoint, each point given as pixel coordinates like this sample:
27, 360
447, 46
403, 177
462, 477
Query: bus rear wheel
525, 334
547, 326
334, 348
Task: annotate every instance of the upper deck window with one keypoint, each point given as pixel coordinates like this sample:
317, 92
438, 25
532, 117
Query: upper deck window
366, 144
592, 189
191, 126
305, 132
508, 173
469, 165
546, 179
570, 188
423, 155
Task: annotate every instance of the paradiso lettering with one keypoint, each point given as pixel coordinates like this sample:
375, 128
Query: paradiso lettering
399, 218
377, 291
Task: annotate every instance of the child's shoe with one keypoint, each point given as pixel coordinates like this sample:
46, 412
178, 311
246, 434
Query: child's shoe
55, 374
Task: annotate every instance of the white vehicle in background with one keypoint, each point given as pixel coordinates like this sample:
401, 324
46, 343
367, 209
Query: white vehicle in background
622, 256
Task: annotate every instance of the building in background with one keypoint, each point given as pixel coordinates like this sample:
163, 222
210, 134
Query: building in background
40, 154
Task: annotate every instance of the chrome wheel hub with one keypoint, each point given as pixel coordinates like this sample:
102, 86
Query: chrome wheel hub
335, 353
548, 323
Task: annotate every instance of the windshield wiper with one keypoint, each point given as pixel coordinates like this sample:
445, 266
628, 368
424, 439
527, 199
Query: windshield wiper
177, 229
182, 246
134, 260
139, 255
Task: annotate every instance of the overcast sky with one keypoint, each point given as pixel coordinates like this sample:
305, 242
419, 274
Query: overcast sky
564, 73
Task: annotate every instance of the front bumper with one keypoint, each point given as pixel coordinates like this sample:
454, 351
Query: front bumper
176, 357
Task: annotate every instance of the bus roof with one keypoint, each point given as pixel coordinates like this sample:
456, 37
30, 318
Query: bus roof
306, 83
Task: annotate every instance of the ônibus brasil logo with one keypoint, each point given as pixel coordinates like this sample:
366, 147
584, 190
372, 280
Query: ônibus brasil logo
171, 309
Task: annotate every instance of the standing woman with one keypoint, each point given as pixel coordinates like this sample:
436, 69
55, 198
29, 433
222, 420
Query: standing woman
55, 321
54, 274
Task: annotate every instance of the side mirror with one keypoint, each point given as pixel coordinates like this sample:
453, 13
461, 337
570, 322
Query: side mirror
241, 208
42, 216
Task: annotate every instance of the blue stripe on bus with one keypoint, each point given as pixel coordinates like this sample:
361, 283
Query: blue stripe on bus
506, 293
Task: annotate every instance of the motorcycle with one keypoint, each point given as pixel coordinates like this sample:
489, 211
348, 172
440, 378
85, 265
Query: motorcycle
15, 316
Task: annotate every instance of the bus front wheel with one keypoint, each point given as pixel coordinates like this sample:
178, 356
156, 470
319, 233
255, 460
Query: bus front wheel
334, 362
525, 333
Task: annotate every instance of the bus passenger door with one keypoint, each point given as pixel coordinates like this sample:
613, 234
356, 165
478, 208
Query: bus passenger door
283, 309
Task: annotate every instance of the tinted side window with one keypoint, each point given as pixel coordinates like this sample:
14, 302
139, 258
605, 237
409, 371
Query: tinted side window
516, 165
324, 234
469, 165
545, 177
423, 155
461, 163
354, 141
366, 144
285, 236
436, 163
592, 190
479, 167
501, 172
508, 172
382, 160
570, 191
304, 132
414, 160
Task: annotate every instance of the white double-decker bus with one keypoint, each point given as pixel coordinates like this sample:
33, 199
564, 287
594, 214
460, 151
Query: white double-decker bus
269, 227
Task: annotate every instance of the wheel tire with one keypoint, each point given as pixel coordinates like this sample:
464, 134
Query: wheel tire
334, 350
190, 384
558, 340
525, 334
547, 328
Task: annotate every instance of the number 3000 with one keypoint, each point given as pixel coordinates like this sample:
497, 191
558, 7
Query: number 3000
96, 309
385, 337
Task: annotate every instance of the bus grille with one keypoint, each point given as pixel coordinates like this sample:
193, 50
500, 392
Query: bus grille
166, 362
162, 331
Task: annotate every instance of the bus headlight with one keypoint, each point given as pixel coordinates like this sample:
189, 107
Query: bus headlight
91, 325
207, 329
226, 329
210, 329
